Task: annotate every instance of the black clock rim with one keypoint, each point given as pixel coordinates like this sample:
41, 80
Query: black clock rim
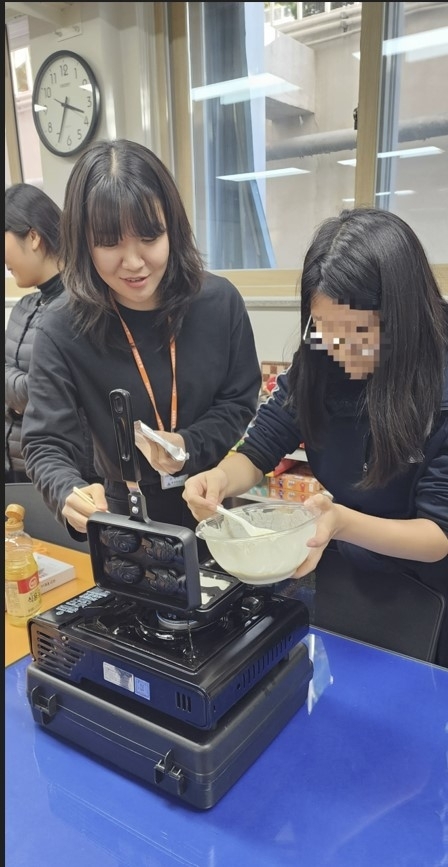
96, 94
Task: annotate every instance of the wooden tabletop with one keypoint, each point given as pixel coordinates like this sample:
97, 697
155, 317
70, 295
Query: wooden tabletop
16, 637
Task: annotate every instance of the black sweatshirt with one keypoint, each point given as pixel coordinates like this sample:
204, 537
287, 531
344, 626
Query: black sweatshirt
218, 381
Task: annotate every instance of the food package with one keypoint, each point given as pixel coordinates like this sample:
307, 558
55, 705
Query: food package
299, 481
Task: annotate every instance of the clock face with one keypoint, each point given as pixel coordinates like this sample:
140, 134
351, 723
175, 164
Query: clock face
66, 103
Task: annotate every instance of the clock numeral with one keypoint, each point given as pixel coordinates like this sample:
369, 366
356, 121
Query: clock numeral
53, 78
63, 69
47, 92
89, 102
69, 141
79, 134
50, 127
86, 121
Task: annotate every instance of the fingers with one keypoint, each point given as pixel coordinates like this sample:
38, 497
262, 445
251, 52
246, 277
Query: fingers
200, 506
322, 536
206, 488
163, 462
204, 492
97, 493
309, 564
320, 503
77, 508
157, 456
327, 519
73, 514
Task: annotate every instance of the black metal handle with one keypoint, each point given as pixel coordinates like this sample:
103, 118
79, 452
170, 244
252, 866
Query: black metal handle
120, 402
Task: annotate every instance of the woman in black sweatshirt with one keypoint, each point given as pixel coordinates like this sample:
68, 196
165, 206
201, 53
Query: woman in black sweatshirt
141, 314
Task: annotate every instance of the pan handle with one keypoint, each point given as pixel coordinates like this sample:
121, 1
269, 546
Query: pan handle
120, 403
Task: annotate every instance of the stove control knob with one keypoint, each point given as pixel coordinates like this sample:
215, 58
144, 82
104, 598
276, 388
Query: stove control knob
252, 604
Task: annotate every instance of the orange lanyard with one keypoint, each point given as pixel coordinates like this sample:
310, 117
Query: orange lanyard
144, 375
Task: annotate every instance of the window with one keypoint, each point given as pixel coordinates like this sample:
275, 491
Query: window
22, 85
412, 170
272, 103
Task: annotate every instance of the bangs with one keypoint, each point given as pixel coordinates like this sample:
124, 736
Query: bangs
115, 210
355, 284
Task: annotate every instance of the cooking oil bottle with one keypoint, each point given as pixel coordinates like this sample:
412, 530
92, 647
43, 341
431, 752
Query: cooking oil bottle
22, 590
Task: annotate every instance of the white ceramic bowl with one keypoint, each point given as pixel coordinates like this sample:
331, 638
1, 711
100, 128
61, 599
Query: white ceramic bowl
261, 559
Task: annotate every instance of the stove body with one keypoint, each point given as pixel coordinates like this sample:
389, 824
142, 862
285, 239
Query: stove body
195, 670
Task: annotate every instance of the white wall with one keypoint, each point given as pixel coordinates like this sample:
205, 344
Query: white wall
276, 330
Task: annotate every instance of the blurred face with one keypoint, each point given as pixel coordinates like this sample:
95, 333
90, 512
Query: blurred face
133, 269
350, 336
23, 258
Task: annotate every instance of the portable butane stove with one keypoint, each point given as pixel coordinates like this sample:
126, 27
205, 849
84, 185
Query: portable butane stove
180, 646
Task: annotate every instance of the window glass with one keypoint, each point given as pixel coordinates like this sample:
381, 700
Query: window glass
18, 39
274, 88
412, 174
7, 166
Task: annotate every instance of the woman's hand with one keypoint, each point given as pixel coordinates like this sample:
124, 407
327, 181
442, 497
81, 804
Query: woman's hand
204, 492
326, 528
156, 455
76, 510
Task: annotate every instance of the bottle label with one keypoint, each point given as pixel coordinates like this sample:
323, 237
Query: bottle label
28, 584
23, 598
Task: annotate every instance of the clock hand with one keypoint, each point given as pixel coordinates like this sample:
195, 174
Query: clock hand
73, 108
67, 104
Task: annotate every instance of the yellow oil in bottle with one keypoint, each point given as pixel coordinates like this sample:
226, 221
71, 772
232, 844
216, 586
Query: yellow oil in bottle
22, 590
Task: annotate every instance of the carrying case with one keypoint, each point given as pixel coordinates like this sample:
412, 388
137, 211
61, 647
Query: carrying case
197, 767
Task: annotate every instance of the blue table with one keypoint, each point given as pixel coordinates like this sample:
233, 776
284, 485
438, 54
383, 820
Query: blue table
358, 778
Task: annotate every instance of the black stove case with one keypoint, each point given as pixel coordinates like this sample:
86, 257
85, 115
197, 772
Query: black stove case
197, 767
210, 699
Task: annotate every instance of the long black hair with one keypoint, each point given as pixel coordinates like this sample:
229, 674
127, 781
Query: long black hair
372, 260
116, 188
27, 207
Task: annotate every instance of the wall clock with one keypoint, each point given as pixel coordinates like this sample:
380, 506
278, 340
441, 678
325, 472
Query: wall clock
66, 103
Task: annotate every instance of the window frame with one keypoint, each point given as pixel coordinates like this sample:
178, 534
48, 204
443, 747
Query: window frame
11, 130
270, 285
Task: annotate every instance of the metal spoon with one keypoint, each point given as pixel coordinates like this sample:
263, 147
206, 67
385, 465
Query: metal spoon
249, 528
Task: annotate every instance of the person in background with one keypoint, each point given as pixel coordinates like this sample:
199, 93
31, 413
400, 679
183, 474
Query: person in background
367, 392
143, 315
32, 255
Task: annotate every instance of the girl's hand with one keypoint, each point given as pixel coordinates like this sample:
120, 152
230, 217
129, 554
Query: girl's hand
204, 492
326, 528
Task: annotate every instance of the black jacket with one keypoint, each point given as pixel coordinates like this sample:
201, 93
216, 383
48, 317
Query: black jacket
19, 338
420, 492
218, 380
24, 319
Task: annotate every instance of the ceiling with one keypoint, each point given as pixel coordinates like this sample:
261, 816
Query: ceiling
52, 13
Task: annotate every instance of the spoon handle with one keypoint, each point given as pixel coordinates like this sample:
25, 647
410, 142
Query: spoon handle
249, 529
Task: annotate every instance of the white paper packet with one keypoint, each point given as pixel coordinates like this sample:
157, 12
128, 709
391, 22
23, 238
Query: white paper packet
143, 433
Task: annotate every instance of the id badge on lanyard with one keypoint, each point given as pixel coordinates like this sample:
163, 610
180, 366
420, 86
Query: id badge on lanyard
167, 481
